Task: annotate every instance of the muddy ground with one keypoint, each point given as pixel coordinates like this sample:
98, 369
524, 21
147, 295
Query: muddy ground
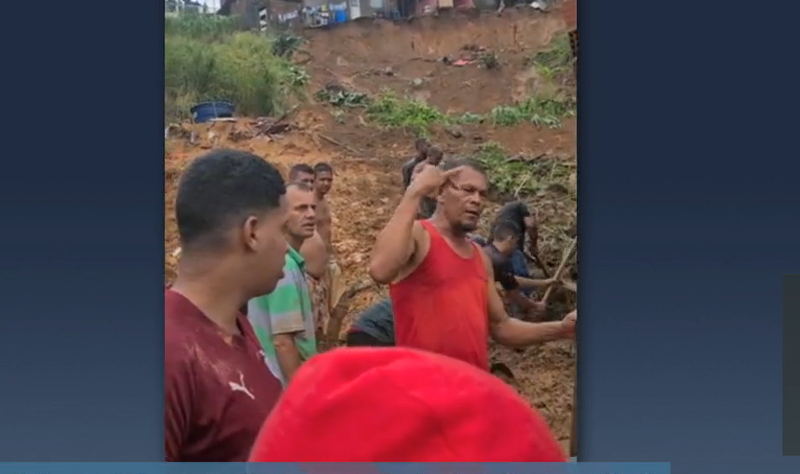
370, 56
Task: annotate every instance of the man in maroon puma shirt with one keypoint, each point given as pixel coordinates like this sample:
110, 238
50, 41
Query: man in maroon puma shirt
230, 210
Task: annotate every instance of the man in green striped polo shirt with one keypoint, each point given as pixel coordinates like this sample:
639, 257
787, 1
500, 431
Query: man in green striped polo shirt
284, 320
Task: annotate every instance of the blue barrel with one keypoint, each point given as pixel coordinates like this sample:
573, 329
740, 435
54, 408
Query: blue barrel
209, 110
341, 16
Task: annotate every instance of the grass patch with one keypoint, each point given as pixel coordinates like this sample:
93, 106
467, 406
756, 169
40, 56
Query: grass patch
555, 62
546, 112
340, 97
512, 177
206, 59
207, 28
391, 111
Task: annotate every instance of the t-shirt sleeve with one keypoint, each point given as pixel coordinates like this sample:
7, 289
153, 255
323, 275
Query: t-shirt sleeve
281, 311
177, 402
504, 274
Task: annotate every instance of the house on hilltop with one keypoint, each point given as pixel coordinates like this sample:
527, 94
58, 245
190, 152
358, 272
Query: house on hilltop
177, 7
248, 10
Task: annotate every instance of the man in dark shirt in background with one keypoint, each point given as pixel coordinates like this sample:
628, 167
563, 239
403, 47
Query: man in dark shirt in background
421, 148
218, 390
433, 156
374, 327
505, 238
517, 212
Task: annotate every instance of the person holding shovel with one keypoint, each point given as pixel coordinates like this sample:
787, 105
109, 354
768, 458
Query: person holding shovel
518, 213
502, 246
441, 283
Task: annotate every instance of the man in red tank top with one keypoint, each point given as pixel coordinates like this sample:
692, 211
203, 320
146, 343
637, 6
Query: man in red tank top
441, 284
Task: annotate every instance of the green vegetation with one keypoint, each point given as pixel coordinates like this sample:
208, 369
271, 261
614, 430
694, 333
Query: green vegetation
389, 110
555, 63
340, 97
200, 27
517, 176
539, 111
207, 59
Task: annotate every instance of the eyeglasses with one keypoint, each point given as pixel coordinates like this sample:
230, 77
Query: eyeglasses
469, 189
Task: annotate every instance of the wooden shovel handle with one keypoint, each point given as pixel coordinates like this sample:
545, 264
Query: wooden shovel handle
561, 267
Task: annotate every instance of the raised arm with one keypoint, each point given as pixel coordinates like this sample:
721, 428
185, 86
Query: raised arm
515, 333
399, 240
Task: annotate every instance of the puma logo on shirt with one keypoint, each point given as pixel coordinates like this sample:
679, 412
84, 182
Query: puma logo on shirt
240, 387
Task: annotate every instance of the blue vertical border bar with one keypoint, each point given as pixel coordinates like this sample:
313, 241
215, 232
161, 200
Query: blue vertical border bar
81, 247
791, 365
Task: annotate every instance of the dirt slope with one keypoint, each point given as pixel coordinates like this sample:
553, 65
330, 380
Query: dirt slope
367, 159
358, 54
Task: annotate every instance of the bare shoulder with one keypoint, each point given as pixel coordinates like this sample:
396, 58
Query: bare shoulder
422, 239
418, 249
323, 206
315, 254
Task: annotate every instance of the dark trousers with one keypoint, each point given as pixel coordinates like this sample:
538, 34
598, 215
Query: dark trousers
362, 339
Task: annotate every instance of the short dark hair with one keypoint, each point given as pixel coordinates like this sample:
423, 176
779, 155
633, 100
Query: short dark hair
434, 152
505, 229
456, 161
421, 142
300, 185
299, 168
323, 167
220, 189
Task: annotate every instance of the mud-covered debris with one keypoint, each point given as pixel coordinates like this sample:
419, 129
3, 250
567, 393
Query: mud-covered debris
525, 158
557, 188
179, 131
489, 60
454, 132
271, 126
473, 47
501, 369
388, 71
239, 134
540, 5
339, 96
417, 82
260, 127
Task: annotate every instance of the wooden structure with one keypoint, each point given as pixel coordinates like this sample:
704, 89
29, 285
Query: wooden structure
569, 10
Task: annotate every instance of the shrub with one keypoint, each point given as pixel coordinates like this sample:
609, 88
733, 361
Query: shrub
205, 59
